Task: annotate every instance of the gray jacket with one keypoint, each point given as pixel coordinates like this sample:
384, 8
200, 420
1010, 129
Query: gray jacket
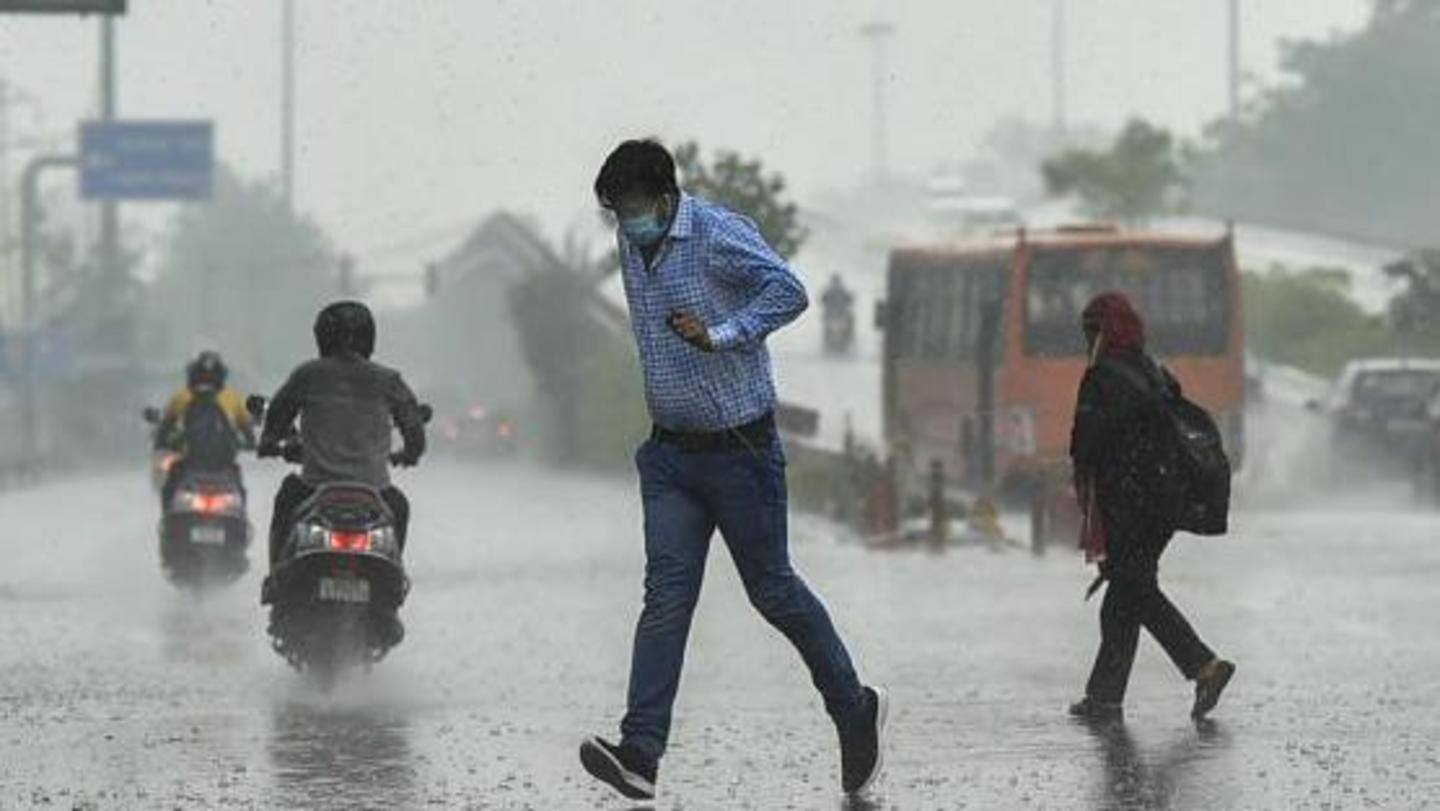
346, 405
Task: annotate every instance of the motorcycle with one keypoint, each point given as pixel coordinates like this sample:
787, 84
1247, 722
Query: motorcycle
839, 331
203, 531
339, 580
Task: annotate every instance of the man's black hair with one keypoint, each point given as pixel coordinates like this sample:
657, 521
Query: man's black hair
636, 166
345, 326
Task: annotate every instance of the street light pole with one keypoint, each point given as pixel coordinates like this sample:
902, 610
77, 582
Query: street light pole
1234, 63
109, 209
877, 32
1057, 67
287, 104
1229, 171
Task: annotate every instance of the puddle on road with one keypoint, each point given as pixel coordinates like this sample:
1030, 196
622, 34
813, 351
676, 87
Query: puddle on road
338, 755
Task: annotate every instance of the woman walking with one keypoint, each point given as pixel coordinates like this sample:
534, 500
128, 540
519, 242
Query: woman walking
1125, 458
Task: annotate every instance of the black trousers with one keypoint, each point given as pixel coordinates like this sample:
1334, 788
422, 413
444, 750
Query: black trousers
1134, 600
293, 491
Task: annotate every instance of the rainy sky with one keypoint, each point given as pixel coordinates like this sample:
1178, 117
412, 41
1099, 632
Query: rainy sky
415, 118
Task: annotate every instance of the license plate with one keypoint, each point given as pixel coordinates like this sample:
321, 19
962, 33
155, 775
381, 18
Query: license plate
207, 534
344, 589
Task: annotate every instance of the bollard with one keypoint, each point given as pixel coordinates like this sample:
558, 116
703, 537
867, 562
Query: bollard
939, 510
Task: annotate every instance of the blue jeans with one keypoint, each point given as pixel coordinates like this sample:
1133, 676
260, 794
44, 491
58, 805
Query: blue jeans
687, 495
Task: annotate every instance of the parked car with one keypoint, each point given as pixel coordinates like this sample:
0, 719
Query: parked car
1378, 413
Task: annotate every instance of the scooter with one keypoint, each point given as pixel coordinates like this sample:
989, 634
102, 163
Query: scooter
839, 331
339, 581
203, 531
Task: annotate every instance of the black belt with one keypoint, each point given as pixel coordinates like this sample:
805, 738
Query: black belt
752, 435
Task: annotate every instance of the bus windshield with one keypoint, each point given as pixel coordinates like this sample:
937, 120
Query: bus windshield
938, 306
1181, 293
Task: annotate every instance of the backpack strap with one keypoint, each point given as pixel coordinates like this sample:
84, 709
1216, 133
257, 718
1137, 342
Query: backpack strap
1152, 385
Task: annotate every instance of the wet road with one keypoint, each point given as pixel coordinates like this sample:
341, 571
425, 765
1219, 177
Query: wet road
118, 692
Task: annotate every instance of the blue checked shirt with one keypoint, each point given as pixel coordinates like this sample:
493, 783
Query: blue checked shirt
712, 263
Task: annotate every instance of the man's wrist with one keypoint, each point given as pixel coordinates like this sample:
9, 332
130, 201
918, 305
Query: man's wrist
725, 336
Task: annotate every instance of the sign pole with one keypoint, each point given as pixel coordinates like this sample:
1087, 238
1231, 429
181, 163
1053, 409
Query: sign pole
30, 192
110, 268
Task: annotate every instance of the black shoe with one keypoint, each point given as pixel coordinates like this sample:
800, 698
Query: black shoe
1209, 685
624, 769
862, 742
1093, 709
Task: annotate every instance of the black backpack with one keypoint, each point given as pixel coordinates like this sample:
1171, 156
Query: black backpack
1202, 505
209, 438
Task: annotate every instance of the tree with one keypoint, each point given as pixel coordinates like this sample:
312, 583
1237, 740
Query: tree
1346, 145
1406, 8
1134, 179
742, 185
1306, 319
243, 275
94, 310
1005, 161
587, 376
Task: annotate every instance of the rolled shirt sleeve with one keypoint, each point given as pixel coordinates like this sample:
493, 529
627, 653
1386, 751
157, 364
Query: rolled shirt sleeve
742, 259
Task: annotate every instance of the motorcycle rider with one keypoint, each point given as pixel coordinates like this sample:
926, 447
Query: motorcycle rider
346, 404
838, 304
837, 299
205, 422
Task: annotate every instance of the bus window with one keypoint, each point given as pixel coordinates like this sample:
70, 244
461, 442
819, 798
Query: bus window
940, 312
905, 305
936, 306
1180, 291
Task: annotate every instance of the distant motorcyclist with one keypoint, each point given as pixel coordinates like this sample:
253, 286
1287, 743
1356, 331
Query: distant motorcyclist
839, 323
346, 405
837, 298
205, 422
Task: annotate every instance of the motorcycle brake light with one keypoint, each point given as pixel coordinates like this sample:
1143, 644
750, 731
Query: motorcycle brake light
213, 503
350, 541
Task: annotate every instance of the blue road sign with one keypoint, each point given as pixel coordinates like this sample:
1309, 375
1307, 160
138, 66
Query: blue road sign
147, 160
64, 6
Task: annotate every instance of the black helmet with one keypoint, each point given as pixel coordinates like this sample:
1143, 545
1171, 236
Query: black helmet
345, 326
207, 370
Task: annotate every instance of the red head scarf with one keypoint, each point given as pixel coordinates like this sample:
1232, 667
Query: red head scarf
1121, 327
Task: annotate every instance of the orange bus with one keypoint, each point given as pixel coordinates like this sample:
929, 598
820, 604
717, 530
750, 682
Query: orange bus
983, 350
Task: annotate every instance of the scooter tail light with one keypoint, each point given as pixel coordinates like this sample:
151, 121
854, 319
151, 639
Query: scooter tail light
214, 503
342, 541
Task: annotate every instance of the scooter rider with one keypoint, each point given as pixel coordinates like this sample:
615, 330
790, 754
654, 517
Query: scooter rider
346, 404
837, 300
205, 422
839, 305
